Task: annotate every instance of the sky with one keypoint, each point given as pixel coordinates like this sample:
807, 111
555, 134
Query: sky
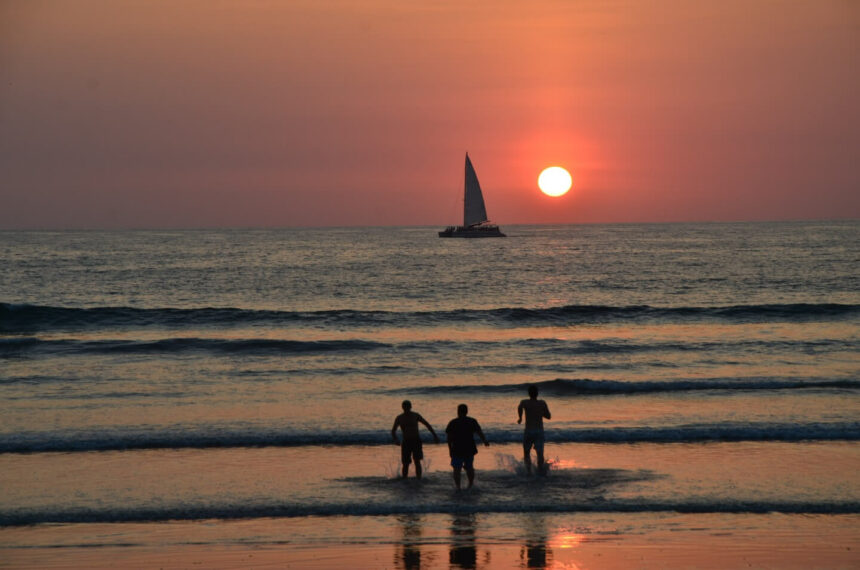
263, 113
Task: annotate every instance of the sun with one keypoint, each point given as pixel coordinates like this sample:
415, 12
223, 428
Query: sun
554, 181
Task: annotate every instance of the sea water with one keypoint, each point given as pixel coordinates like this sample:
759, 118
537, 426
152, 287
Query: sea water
252, 377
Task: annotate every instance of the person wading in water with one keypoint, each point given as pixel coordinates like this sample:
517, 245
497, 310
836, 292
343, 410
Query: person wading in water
411, 448
461, 444
535, 410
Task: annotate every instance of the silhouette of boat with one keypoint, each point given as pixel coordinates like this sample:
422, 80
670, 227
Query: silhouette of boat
475, 222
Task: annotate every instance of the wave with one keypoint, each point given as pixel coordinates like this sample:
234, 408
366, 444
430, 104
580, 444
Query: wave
221, 437
556, 346
561, 387
766, 312
17, 347
286, 510
24, 318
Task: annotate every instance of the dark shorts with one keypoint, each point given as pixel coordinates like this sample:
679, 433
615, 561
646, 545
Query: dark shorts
410, 450
459, 462
533, 438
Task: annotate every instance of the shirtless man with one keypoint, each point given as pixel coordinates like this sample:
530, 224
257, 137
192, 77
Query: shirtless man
536, 410
411, 447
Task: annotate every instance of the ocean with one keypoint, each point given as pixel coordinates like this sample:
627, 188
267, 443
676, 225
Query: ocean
234, 389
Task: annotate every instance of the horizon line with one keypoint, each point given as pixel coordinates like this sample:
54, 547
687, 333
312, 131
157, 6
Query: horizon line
429, 225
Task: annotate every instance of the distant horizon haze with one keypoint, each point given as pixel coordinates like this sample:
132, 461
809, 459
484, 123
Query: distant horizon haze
160, 115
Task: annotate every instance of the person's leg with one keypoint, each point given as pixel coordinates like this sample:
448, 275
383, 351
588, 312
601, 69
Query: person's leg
470, 474
539, 452
457, 477
417, 456
405, 458
527, 456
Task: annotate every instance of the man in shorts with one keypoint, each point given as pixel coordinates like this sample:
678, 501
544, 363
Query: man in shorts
535, 410
461, 444
411, 448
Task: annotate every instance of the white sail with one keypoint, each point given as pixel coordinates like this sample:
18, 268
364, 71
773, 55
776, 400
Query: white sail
474, 211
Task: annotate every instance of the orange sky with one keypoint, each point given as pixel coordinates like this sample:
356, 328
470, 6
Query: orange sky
212, 113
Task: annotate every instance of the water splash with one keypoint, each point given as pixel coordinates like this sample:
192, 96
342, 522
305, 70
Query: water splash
392, 468
511, 464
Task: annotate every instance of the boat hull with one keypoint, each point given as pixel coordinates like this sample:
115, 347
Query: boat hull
472, 232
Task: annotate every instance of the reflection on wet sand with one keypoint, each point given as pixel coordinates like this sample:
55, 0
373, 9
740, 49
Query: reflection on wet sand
463, 552
542, 544
407, 555
534, 552
539, 544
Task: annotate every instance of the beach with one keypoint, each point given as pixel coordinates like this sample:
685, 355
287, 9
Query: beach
437, 541
428, 525
224, 398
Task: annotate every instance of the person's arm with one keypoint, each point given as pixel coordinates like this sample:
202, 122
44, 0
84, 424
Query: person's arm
423, 421
481, 434
546, 413
520, 413
394, 429
450, 441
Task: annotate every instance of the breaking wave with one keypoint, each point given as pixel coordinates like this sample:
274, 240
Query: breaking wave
586, 387
287, 510
223, 437
23, 346
24, 318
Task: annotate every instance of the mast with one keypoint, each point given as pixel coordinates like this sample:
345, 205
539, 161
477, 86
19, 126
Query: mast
474, 210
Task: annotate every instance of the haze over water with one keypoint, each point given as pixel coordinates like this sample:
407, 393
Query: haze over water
153, 114
702, 369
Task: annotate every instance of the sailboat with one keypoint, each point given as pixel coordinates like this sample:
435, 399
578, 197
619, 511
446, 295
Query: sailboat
475, 222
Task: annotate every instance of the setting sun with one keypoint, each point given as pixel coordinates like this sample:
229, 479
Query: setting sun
554, 181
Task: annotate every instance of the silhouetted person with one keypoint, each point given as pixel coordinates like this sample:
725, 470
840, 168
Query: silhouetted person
411, 447
536, 410
461, 443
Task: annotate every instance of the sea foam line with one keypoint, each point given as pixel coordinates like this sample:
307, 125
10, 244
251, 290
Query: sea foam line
22, 517
220, 437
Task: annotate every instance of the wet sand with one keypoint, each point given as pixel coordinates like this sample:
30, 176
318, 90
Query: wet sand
605, 541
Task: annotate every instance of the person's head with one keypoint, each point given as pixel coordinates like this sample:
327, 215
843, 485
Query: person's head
462, 410
533, 391
407, 405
